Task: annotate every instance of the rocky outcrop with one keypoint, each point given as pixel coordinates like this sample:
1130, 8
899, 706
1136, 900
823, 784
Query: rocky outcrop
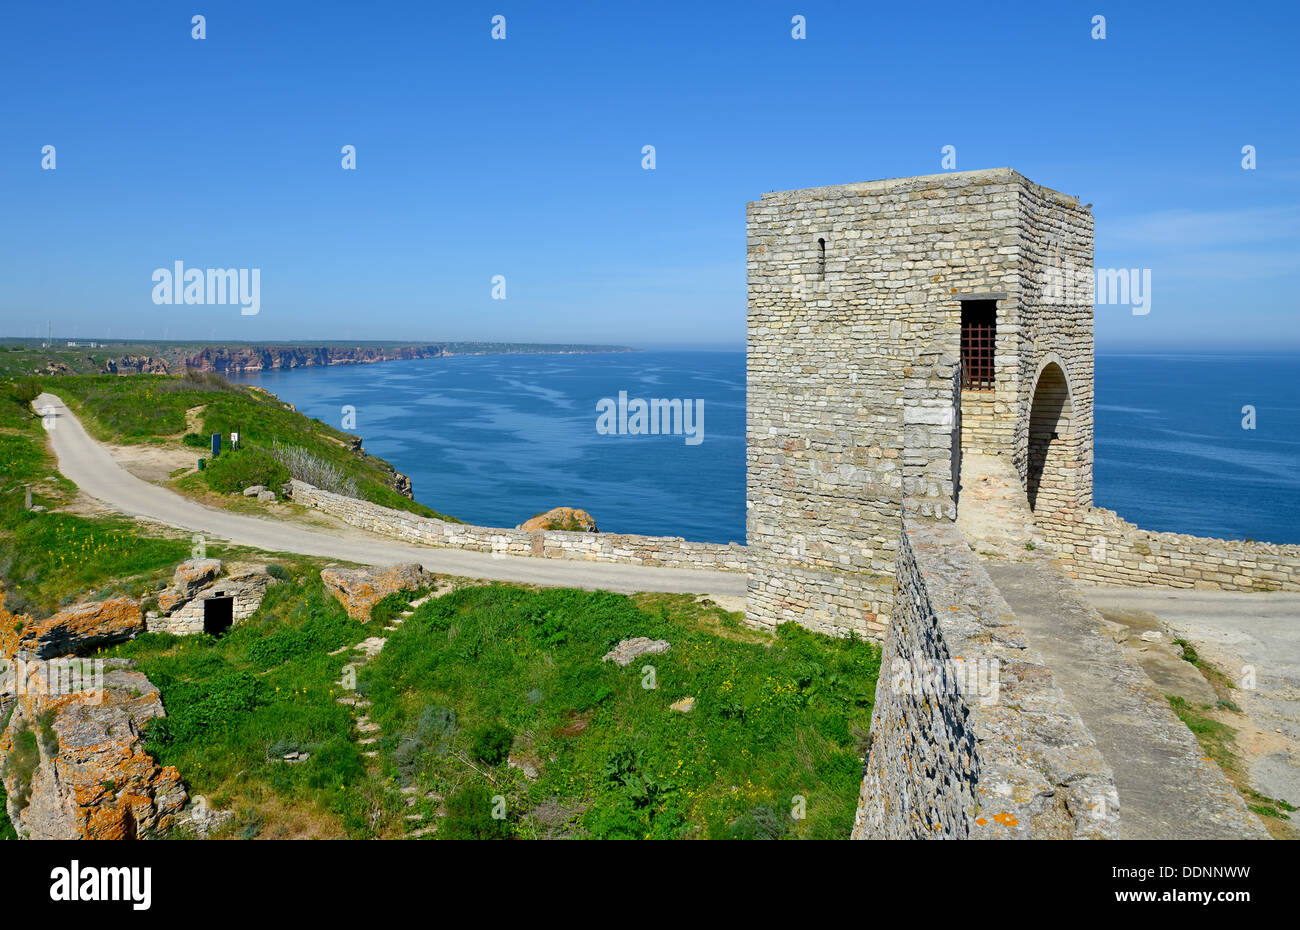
629, 650
562, 518
191, 576
75, 766
271, 358
78, 630
135, 365
402, 485
360, 589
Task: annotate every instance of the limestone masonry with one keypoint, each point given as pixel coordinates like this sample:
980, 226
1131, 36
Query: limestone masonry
995, 752
856, 303
665, 551
895, 328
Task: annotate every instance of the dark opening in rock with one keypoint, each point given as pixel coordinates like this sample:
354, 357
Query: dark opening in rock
218, 614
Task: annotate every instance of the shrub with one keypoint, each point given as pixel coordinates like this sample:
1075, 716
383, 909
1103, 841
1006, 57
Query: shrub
469, 816
231, 472
314, 470
21, 763
491, 743
194, 380
278, 572
758, 823
196, 440
23, 391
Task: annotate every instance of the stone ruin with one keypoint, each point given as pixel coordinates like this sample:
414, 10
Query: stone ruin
201, 600
892, 325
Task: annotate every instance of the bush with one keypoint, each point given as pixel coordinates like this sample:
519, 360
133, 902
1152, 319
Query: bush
20, 765
492, 743
469, 816
231, 472
196, 440
758, 823
23, 391
314, 470
278, 572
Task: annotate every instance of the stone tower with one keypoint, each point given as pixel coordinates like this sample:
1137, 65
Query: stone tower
893, 325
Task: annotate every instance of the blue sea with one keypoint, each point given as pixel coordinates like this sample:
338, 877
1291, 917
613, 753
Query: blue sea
495, 439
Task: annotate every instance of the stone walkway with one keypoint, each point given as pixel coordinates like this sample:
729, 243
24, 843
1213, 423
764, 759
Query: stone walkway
370, 732
1168, 788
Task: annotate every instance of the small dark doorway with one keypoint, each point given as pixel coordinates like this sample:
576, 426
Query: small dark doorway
218, 615
978, 334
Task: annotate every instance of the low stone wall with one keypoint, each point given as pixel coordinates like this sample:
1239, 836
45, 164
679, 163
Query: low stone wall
970, 737
1100, 546
660, 551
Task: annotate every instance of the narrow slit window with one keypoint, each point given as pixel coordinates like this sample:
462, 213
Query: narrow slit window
978, 334
821, 258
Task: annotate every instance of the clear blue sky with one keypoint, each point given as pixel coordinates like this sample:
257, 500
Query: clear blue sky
522, 157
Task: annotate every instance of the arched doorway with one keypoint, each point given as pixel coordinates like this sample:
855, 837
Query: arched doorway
1051, 480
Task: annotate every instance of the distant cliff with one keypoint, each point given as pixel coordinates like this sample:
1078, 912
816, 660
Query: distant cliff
270, 358
238, 358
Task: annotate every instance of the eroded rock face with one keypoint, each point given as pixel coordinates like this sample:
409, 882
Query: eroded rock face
136, 364
562, 518
359, 589
74, 764
80, 629
192, 576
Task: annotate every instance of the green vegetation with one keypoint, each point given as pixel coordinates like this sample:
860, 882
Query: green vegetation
50, 558
167, 409
493, 700
231, 472
486, 674
238, 703
392, 606
1219, 740
777, 718
7, 831
20, 765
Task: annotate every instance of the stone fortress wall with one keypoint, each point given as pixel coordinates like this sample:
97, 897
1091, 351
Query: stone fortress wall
662, 551
970, 736
860, 300
1099, 546
856, 294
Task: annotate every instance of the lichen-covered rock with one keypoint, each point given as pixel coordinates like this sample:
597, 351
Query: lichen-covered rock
562, 518
360, 589
629, 650
191, 577
80, 629
74, 765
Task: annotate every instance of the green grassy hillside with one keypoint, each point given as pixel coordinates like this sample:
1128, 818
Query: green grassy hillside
157, 409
